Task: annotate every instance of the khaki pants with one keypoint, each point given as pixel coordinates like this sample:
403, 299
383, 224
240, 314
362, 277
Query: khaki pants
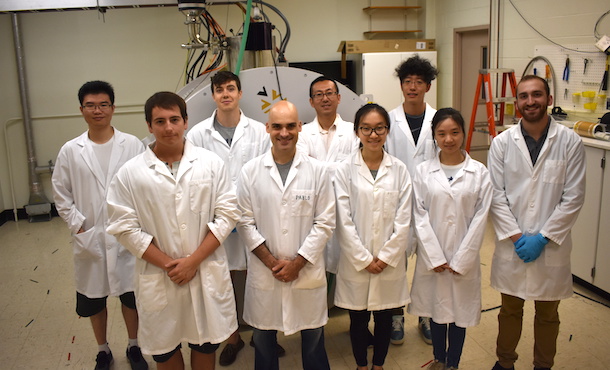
546, 329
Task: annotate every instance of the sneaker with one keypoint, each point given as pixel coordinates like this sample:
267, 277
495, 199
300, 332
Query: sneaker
436, 365
229, 353
498, 367
281, 352
137, 362
424, 329
398, 330
103, 360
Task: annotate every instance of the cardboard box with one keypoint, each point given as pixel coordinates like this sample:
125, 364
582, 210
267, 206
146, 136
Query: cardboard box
380, 46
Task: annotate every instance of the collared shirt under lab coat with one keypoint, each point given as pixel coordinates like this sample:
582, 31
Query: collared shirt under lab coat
544, 198
147, 204
373, 218
249, 141
450, 219
343, 143
102, 266
295, 218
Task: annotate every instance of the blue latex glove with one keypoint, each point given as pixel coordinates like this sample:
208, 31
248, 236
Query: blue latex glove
519, 243
531, 248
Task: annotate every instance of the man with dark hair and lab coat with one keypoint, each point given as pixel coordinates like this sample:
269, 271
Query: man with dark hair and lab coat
102, 267
537, 170
171, 207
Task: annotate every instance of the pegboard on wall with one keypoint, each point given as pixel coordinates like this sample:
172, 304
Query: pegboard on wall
570, 93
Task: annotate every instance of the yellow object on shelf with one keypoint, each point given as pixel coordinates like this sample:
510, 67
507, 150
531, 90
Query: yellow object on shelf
588, 94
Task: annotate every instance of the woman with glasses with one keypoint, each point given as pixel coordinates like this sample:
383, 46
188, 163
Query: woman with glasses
452, 195
373, 191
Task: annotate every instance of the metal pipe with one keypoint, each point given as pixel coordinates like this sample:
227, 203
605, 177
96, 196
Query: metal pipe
37, 195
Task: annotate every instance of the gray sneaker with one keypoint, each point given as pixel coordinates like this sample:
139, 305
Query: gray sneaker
424, 329
398, 330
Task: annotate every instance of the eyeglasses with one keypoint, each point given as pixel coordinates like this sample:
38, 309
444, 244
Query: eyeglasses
418, 82
321, 95
379, 130
92, 107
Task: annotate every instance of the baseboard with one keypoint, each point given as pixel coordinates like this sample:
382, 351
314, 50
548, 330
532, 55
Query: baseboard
585, 284
8, 215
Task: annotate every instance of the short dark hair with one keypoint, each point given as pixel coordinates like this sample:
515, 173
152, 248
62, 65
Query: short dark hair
165, 100
444, 113
534, 77
320, 79
96, 87
368, 108
417, 66
224, 77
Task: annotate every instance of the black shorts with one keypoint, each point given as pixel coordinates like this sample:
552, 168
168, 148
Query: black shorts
86, 307
206, 348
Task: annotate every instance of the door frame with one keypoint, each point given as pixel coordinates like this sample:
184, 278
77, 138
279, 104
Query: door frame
458, 34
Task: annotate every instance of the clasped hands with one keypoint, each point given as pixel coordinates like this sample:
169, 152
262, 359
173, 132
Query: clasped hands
443, 267
376, 266
182, 270
529, 248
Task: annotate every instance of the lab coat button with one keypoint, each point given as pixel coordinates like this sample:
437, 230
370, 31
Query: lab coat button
284, 231
179, 196
183, 227
284, 202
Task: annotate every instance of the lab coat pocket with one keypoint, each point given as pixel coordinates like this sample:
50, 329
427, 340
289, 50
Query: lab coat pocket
87, 245
554, 172
200, 194
557, 255
152, 295
310, 277
217, 276
390, 204
259, 276
301, 202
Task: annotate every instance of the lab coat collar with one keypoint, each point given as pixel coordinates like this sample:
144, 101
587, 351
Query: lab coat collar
186, 162
517, 136
269, 162
435, 166
365, 172
426, 128
208, 125
89, 156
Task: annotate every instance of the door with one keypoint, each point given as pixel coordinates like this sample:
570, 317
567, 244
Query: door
470, 54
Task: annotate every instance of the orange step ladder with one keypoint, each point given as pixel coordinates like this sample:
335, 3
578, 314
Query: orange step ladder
490, 102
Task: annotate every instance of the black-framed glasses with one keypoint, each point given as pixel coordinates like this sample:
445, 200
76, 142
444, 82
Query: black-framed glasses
321, 95
379, 130
91, 107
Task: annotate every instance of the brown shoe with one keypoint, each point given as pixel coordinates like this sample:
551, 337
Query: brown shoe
229, 353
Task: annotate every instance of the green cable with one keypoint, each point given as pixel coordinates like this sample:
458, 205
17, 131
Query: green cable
244, 38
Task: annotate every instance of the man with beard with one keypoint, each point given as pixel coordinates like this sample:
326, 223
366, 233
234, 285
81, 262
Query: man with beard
537, 170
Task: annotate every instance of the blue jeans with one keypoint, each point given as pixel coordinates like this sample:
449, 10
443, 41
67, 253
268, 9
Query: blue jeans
313, 352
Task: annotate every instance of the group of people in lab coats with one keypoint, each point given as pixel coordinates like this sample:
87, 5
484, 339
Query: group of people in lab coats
289, 202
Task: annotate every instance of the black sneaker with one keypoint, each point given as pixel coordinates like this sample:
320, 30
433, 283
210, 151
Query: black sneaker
281, 352
229, 353
103, 360
498, 367
134, 355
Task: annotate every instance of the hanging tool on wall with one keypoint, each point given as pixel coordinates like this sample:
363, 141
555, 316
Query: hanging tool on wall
586, 61
547, 73
566, 70
603, 86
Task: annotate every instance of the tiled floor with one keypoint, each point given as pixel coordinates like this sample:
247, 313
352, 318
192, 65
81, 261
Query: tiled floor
41, 331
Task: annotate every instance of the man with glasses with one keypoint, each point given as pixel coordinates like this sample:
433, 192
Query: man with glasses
410, 140
102, 267
327, 138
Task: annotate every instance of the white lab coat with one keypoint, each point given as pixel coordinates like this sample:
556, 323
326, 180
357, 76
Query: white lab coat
102, 266
344, 142
400, 142
373, 218
295, 218
450, 220
544, 198
146, 204
249, 141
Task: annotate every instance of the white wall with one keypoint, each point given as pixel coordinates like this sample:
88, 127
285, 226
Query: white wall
138, 51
